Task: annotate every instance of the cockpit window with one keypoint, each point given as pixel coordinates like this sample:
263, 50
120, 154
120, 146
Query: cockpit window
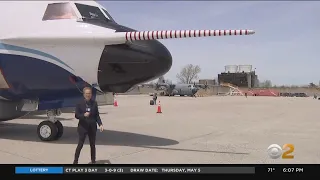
91, 12
56, 11
106, 12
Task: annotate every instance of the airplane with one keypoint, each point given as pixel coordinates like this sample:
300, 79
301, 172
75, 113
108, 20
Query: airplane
179, 89
51, 50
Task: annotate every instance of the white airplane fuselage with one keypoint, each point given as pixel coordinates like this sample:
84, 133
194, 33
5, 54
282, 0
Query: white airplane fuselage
52, 60
51, 50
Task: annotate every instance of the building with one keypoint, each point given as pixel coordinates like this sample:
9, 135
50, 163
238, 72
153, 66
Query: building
208, 81
239, 75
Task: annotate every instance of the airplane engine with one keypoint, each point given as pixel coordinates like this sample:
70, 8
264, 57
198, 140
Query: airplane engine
123, 66
11, 110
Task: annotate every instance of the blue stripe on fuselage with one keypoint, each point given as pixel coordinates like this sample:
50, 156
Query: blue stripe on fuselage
32, 51
31, 78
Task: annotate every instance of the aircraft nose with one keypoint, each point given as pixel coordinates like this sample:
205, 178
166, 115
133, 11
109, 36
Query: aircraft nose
194, 90
123, 66
161, 57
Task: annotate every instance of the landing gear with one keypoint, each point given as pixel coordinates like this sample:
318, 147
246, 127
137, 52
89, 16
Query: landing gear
60, 130
47, 131
52, 129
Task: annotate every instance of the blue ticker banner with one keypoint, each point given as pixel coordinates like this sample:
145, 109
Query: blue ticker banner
39, 170
266, 169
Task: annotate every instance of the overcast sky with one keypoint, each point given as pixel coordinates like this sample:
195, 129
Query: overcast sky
285, 48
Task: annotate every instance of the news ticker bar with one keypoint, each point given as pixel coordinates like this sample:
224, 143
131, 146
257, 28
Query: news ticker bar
134, 170
214, 169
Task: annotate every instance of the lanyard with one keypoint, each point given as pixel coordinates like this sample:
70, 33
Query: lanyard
88, 105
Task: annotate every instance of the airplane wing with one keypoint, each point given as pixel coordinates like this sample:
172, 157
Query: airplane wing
123, 37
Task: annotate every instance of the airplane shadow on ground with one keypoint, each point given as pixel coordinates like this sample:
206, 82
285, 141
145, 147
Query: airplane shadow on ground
102, 162
27, 132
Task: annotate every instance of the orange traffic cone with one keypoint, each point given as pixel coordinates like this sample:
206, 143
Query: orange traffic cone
115, 102
159, 108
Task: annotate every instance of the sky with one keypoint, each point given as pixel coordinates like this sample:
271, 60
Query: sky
285, 48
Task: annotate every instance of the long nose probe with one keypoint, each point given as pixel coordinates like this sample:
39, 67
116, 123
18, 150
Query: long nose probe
172, 34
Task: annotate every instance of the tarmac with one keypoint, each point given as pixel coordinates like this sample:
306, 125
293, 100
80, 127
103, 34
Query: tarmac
203, 130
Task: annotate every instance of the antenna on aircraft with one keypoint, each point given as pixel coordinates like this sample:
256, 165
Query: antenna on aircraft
152, 35
123, 37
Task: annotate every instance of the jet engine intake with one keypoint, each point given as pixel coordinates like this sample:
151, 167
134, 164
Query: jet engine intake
125, 65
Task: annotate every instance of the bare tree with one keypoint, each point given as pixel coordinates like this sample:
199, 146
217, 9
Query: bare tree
168, 81
294, 86
266, 84
215, 81
162, 80
312, 85
188, 74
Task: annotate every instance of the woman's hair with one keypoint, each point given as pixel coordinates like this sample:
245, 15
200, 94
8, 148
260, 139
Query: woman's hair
86, 88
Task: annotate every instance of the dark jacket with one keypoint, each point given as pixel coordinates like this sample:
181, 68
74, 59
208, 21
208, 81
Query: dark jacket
94, 116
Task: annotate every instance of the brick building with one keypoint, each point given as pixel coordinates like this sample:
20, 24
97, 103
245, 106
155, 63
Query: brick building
239, 75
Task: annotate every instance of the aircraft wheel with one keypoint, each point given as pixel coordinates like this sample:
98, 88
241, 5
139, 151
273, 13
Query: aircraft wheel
60, 130
47, 131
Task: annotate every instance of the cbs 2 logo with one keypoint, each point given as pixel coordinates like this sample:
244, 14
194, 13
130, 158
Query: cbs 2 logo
275, 151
